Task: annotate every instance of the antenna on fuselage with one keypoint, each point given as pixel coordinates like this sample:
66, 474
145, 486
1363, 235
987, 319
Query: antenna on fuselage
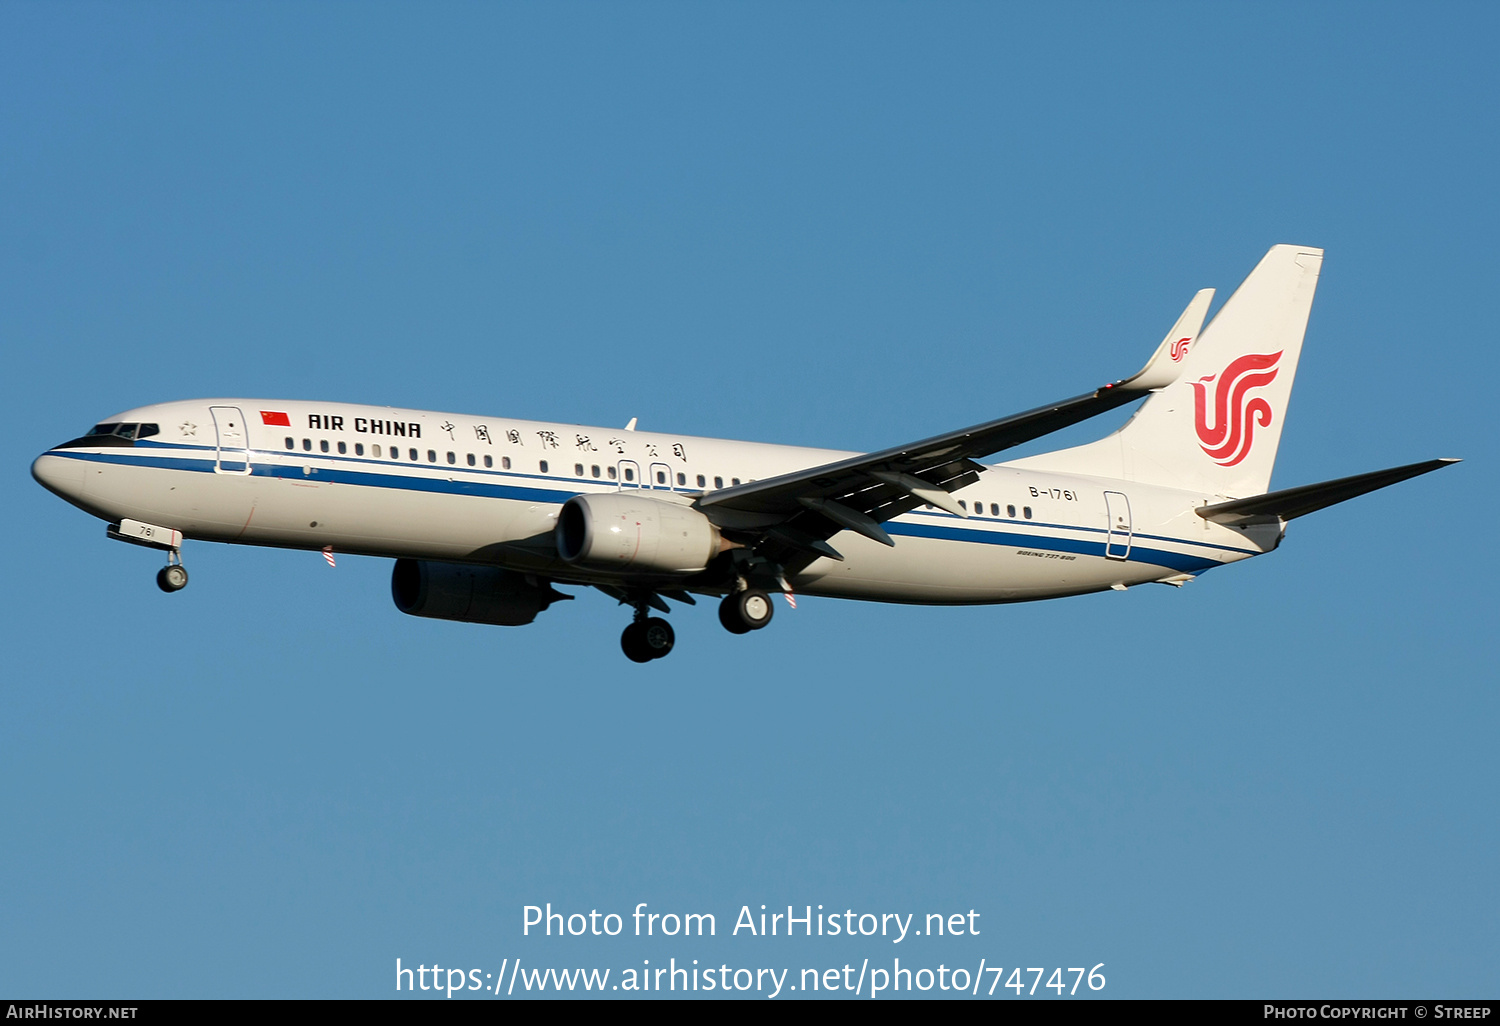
631, 425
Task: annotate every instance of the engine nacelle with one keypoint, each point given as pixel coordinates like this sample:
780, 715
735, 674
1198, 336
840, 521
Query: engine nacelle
473, 594
631, 532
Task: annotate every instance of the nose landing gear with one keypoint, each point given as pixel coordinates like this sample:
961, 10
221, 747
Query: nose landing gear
172, 577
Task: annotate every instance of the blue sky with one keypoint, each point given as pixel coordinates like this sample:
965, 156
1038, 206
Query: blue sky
827, 224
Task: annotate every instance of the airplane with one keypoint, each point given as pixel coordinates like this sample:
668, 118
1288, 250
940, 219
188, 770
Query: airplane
484, 515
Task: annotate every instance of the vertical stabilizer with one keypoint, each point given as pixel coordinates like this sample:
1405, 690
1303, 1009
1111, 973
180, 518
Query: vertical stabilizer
1217, 427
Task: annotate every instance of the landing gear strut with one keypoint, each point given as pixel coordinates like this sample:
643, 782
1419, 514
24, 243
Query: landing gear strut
648, 637
744, 611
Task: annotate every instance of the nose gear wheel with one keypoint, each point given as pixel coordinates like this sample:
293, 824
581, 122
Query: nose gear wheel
172, 577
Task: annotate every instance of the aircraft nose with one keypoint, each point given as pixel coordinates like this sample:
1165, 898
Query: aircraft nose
59, 475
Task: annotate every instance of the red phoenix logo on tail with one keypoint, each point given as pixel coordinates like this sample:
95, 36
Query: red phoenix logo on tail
1180, 348
1228, 440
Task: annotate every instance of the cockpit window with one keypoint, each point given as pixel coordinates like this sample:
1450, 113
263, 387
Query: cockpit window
113, 433
131, 431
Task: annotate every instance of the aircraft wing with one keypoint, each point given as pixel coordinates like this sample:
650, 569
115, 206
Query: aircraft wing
791, 516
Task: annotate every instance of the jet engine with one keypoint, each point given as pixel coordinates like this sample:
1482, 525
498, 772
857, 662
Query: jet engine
629, 532
473, 594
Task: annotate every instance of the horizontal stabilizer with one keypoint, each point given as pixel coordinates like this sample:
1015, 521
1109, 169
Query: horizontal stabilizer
1295, 502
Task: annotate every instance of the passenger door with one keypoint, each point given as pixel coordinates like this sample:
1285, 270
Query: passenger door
233, 455
1117, 509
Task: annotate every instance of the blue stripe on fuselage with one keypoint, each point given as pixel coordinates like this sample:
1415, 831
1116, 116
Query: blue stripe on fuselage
1181, 562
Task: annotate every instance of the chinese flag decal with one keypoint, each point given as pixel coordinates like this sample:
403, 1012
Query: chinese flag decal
272, 418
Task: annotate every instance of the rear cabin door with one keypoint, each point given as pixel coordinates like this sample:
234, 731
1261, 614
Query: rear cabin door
1117, 508
630, 473
234, 440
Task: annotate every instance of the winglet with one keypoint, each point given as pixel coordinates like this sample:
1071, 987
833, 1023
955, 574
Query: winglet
1165, 364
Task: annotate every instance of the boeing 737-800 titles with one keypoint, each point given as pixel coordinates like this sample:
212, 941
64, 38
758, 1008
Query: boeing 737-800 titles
484, 515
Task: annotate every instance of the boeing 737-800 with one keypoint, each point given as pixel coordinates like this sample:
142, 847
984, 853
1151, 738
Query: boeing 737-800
485, 514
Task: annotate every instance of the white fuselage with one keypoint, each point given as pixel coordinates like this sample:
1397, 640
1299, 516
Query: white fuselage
449, 487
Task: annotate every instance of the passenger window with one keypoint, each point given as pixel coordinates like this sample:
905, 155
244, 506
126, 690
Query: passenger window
1010, 511
343, 448
323, 444
1027, 510
629, 474
504, 462
431, 456
359, 448
543, 465
374, 450
307, 445
471, 459
412, 453
611, 472
682, 479
734, 480
994, 509
578, 469
718, 482
594, 470
490, 462
701, 481
395, 453
661, 477
290, 444
452, 459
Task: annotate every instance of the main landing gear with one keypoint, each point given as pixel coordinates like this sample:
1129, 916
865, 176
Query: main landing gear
744, 611
648, 638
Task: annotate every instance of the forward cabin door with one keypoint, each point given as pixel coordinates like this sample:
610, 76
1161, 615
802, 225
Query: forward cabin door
1117, 509
234, 440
